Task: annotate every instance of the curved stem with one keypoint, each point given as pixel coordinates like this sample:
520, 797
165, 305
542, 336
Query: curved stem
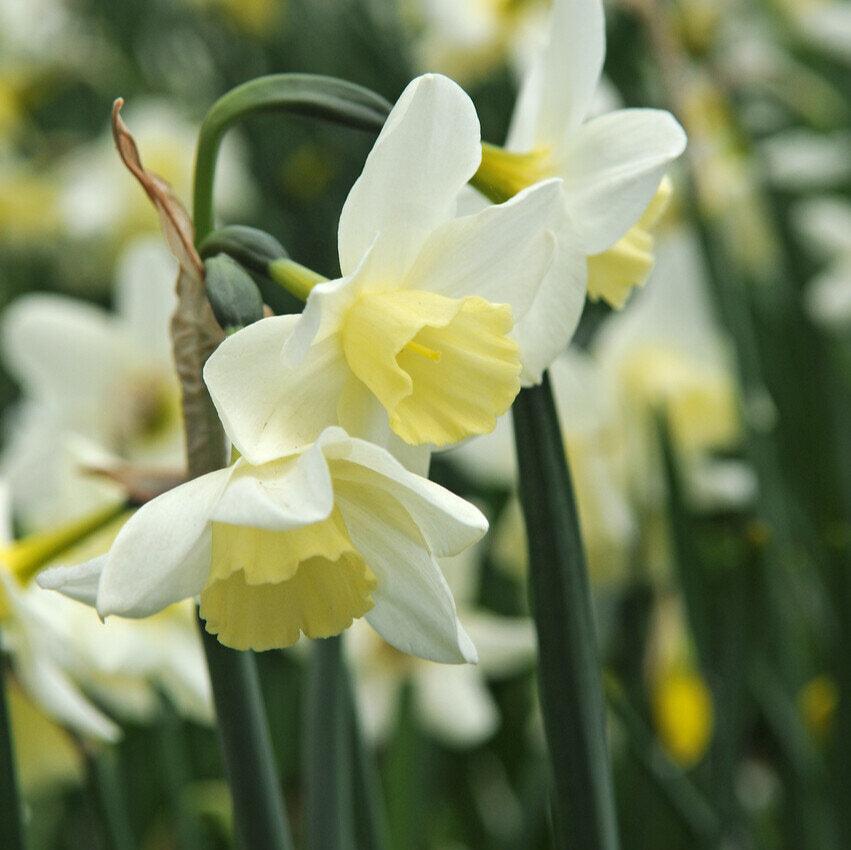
308, 95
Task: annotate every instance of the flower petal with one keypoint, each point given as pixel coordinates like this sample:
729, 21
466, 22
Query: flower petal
558, 90
429, 148
612, 169
546, 329
448, 524
414, 610
269, 409
162, 554
278, 496
79, 581
66, 353
455, 705
500, 253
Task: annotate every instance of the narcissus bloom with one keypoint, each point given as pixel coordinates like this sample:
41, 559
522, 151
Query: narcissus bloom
612, 165
424, 332
303, 544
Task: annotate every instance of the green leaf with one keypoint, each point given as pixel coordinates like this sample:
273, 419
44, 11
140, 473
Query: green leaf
258, 804
308, 95
568, 667
328, 771
11, 826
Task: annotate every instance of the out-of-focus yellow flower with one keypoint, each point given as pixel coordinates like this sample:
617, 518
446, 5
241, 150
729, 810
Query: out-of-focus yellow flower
818, 700
255, 16
682, 710
45, 755
28, 203
700, 403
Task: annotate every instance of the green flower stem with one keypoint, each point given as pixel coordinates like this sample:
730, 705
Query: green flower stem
370, 821
11, 822
107, 787
328, 804
568, 668
258, 806
325, 98
297, 279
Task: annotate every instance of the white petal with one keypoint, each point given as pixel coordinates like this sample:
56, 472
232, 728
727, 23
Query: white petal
162, 554
448, 523
267, 408
454, 704
79, 581
414, 610
547, 328
507, 645
66, 353
612, 168
429, 147
145, 297
59, 697
557, 92
278, 496
500, 253
362, 415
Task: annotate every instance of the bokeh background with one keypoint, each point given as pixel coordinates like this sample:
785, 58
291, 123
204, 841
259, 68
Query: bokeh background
708, 423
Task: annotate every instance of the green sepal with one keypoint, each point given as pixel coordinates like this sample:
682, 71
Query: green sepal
252, 248
233, 294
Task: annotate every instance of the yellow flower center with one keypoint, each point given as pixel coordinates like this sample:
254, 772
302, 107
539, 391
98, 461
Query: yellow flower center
683, 711
268, 587
613, 273
502, 174
443, 368
818, 701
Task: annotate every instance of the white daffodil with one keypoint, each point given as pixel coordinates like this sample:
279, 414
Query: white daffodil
100, 200
38, 654
588, 415
98, 389
425, 331
303, 544
612, 165
667, 354
60, 650
451, 703
825, 224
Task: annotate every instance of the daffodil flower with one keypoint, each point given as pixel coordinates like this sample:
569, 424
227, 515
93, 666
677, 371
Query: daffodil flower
302, 544
98, 389
421, 333
60, 651
612, 165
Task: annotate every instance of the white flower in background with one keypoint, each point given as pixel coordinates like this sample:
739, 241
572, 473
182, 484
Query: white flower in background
60, 650
98, 389
100, 200
800, 159
451, 703
612, 165
666, 354
426, 329
826, 25
825, 224
595, 448
468, 39
303, 544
